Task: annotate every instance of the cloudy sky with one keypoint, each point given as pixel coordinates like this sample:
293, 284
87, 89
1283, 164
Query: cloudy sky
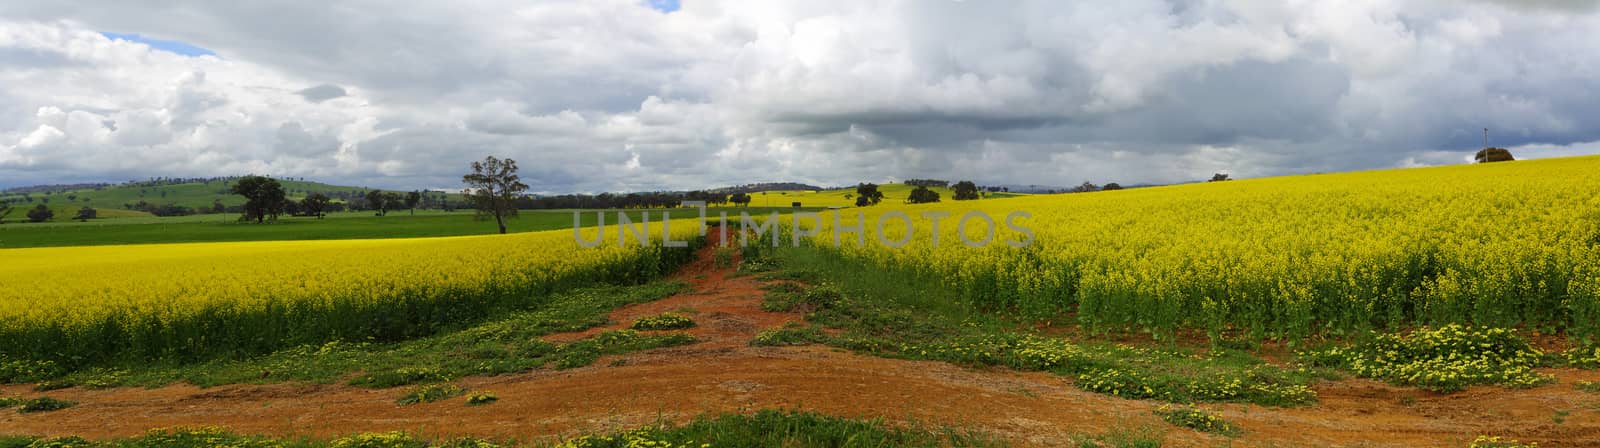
613, 95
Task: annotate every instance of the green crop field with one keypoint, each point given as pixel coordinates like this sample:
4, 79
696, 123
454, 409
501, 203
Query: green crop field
347, 225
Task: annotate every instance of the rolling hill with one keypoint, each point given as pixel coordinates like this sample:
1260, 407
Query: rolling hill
117, 201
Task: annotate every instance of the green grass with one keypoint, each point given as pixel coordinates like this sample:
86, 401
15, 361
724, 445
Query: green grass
195, 194
507, 344
663, 321
900, 315
762, 429
350, 225
1196, 419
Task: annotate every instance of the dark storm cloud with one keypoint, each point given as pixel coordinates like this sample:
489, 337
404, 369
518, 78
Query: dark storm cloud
611, 95
322, 93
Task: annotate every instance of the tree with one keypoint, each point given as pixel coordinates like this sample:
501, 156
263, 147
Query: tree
922, 195
1111, 186
412, 199
40, 213
375, 202
1219, 177
868, 194
263, 197
740, 198
315, 204
494, 184
392, 201
965, 190
1085, 188
1493, 154
85, 214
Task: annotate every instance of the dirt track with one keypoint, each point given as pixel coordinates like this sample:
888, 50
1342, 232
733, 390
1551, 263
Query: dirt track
723, 374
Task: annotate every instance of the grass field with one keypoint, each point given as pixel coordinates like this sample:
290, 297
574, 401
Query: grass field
337, 226
110, 201
767, 428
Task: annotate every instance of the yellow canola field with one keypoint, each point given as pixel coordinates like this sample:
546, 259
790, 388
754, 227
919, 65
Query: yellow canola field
197, 300
1497, 244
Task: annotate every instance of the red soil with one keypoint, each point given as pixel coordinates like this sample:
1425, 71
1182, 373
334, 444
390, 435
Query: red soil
723, 374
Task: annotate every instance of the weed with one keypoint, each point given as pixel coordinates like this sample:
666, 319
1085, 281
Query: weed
400, 377
1196, 419
1587, 386
1446, 359
481, 398
1499, 442
430, 393
663, 321
792, 334
723, 257
44, 404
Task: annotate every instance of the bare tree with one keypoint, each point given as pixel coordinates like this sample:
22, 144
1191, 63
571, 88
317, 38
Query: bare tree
494, 184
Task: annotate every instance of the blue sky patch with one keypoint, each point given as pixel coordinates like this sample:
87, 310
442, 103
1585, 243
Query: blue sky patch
663, 5
173, 46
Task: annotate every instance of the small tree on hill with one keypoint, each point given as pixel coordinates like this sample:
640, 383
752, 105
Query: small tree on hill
40, 213
743, 199
315, 204
1111, 186
412, 199
965, 191
494, 184
263, 197
868, 194
85, 214
375, 202
1086, 188
922, 195
1492, 154
1219, 177
393, 201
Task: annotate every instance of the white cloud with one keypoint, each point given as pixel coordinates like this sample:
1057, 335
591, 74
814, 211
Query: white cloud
614, 95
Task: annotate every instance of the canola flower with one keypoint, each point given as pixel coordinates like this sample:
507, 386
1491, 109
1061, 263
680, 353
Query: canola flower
84, 305
1287, 257
643, 437
1499, 442
1445, 359
1196, 419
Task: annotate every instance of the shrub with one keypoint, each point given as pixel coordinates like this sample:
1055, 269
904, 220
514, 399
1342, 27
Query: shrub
44, 404
663, 321
204, 436
1499, 442
378, 440
723, 257
1446, 359
430, 393
400, 377
793, 334
481, 398
1195, 419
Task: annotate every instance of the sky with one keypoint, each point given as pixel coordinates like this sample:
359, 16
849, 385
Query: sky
632, 95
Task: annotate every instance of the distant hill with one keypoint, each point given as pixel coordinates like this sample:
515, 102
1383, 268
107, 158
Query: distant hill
122, 200
765, 186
